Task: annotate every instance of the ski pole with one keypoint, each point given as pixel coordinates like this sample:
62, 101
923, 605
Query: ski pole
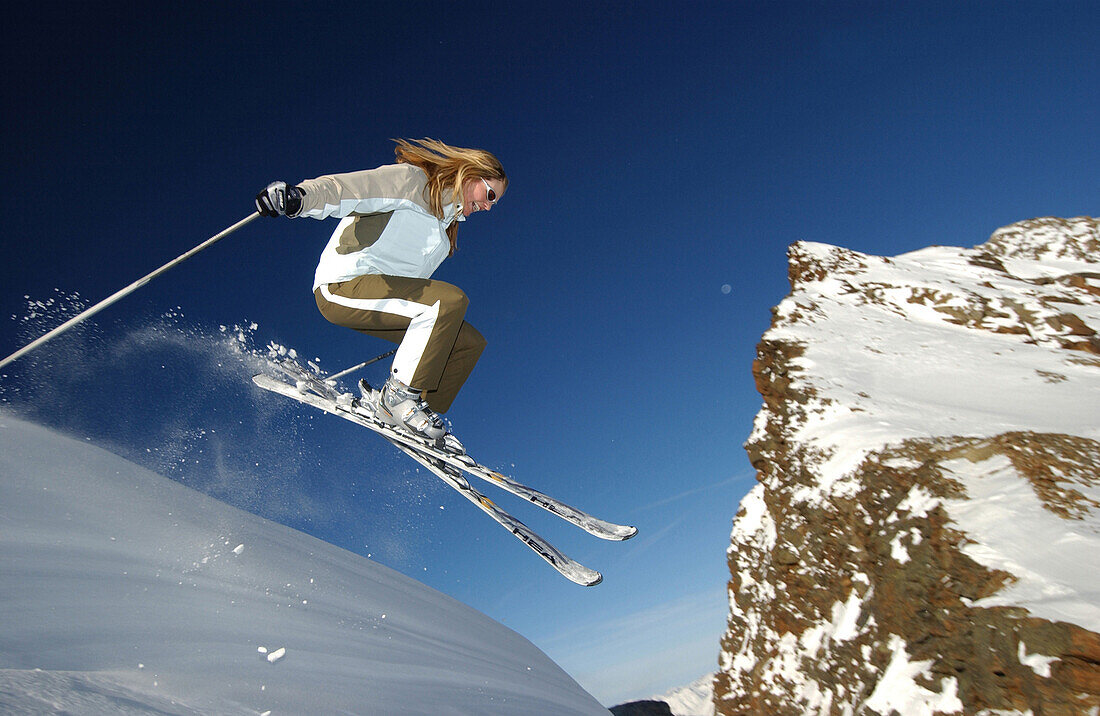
364, 364
126, 291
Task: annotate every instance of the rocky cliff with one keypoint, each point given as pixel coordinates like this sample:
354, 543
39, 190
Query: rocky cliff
925, 534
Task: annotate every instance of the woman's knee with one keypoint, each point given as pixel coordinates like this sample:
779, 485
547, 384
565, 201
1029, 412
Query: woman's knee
451, 298
470, 339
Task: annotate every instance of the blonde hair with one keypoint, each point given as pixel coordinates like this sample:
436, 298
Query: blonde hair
448, 167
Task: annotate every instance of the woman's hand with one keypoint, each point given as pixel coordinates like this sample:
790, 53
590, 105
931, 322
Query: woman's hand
277, 199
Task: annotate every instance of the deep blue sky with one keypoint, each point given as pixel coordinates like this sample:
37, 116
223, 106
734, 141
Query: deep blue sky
661, 158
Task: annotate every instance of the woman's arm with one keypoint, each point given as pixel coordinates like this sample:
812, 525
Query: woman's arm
371, 191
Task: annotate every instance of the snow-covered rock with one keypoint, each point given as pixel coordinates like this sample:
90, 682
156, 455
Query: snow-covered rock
695, 699
124, 592
925, 535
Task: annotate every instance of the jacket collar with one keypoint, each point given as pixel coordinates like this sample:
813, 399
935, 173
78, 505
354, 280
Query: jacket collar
451, 212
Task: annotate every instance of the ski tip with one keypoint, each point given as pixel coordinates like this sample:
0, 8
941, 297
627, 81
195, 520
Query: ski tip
594, 581
578, 573
615, 533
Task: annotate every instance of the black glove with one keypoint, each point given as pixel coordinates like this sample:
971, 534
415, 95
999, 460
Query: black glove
278, 199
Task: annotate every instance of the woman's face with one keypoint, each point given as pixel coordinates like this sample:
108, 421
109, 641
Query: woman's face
480, 194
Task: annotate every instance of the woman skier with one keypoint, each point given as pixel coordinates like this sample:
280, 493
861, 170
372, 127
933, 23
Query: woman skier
399, 222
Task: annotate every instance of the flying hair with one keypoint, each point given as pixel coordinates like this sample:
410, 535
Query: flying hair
448, 167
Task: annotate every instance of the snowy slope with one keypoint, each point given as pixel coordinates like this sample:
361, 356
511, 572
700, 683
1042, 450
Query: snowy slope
930, 344
125, 592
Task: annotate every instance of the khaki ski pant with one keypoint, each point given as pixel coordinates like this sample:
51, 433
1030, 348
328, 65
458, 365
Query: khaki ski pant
437, 348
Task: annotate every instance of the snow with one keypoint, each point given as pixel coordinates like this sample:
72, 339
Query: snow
888, 366
754, 523
918, 503
1058, 574
841, 627
1038, 663
126, 592
695, 699
897, 690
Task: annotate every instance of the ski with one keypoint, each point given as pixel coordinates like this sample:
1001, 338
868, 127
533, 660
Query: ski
342, 406
569, 568
592, 525
314, 391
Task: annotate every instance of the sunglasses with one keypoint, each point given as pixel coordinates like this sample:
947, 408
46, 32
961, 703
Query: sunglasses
490, 194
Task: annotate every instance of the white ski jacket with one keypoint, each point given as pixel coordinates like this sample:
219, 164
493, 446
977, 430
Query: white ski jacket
388, 226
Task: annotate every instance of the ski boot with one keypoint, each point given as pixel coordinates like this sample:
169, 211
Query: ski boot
405, 409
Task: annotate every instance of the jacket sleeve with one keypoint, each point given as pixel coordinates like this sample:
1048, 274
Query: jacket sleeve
390, 187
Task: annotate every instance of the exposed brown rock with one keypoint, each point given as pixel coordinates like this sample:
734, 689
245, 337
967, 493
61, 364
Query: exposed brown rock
873, 563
